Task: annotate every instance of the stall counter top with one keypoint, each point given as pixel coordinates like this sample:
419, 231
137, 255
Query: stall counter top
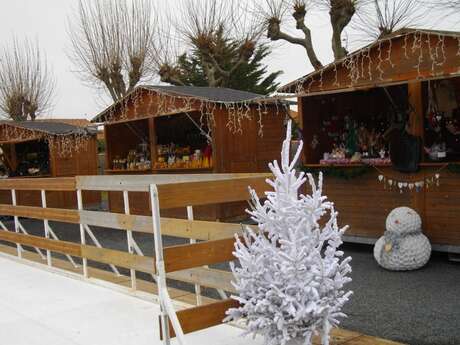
31, 176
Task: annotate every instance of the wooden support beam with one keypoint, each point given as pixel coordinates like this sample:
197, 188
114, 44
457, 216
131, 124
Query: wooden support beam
181, 257
48, 184
55, 214
203, 316
209, 192
212, 278
118, 258
140, 183
40, 242
196, 229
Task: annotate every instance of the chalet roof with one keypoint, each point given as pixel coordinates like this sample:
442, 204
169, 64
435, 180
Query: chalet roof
52, 127
316, 75
208, 94
213, 94
71, 121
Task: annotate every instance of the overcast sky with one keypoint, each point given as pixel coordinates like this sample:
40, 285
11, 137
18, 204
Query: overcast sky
45, 20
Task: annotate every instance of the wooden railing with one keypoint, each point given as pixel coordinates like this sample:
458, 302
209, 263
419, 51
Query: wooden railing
188, 262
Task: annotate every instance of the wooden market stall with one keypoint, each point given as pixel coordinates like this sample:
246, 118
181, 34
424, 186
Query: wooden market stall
185, 129
384, 124
47, 148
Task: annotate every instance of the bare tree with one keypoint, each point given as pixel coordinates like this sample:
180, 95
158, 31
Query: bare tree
112, 43
26, 84
211, 28
379, 18
274, 14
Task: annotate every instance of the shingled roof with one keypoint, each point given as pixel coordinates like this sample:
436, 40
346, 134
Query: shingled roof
205, 93
214, 94
50, 127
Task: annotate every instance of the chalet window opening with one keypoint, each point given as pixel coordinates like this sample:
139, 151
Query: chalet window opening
182, 143
28, 158
442, 120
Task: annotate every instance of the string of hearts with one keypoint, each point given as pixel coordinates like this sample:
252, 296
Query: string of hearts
417, 185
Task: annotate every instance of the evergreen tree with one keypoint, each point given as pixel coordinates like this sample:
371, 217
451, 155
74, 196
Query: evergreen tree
199, 68
291, 282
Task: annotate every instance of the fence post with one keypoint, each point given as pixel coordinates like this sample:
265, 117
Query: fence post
199, 300
47, 229
16, 222
82, 232
167, 309
129, 235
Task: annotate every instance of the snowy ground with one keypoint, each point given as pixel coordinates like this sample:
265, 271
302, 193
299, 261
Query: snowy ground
43, 308
418, 308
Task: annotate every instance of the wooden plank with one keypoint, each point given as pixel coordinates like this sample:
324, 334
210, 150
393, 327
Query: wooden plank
210, 192
199, 229
40, 242
212, 278
140, 183
338, 337
55, 214
203, 316
118, 258
181, 257
49, 184
196, 229
368, 340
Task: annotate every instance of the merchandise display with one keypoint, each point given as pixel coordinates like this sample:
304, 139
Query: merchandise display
135, 160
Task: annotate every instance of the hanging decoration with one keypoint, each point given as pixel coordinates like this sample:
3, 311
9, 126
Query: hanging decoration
163, 103
63, 144
376, 62
346, 173
392, 183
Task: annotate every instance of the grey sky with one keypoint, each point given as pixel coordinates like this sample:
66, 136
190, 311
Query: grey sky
45, 20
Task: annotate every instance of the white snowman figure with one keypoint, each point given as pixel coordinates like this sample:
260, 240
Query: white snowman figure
403, 246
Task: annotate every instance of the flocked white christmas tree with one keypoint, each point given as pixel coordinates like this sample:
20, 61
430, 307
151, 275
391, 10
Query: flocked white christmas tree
291, 282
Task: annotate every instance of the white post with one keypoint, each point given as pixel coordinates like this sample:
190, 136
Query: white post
47, 230
199, 300
82, 232
167, 310
129, 235
16, 222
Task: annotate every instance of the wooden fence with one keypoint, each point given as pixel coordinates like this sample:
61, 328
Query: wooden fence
188, 262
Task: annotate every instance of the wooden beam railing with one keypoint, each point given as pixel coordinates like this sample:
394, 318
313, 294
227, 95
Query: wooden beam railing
188, 263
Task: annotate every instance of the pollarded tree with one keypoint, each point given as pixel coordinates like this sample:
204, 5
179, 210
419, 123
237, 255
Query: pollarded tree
274, 15
291, 282
113, 43
26, 83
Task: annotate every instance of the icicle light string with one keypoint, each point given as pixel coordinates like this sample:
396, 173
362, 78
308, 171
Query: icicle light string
65, 145
395, 183
417, 45
162, 103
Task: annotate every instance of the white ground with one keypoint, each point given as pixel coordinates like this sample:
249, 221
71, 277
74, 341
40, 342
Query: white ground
38, 307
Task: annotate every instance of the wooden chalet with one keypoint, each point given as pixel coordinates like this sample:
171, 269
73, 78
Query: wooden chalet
346, 109
45, 149
190, 130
